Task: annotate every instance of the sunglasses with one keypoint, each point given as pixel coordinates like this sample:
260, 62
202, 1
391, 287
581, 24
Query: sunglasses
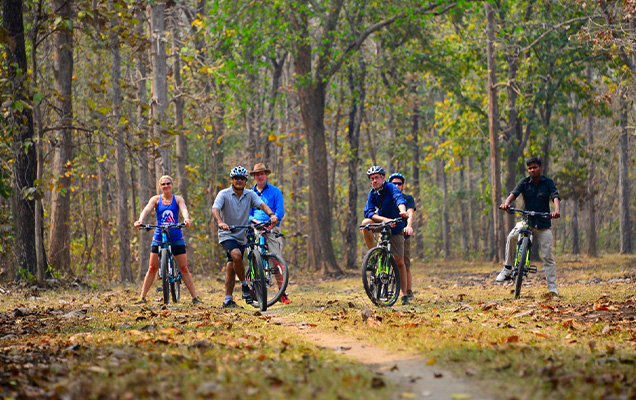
397, 183
166, 183
239, 178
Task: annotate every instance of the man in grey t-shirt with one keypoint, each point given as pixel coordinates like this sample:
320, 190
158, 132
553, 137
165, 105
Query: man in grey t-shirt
232, 207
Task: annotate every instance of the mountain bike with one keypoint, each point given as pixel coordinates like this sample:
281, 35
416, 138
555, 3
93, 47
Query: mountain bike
264, 269
521, 266
380, 273
169, 273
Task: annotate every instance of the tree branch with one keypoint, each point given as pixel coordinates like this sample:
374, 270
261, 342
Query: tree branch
555, 27
357, 43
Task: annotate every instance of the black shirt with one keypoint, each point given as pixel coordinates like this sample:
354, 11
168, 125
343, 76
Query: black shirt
537, 198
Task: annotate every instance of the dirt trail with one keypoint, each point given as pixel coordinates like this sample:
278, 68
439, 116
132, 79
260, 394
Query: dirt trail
416, 379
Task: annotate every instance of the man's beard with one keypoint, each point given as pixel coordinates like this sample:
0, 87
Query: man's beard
237, 188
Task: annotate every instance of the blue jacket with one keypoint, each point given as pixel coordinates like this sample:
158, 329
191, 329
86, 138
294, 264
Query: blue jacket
389, 207
273, 197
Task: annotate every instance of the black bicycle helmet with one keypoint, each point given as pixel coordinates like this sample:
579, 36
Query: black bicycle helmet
239, 171
376, 170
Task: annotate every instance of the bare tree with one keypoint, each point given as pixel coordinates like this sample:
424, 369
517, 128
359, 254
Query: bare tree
159, 99
60, 237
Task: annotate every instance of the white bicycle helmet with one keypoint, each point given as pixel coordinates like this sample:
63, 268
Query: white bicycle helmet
376, 170
238, 171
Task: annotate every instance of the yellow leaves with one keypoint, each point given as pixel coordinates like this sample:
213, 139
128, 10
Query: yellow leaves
197, 23
272, 137
430, 361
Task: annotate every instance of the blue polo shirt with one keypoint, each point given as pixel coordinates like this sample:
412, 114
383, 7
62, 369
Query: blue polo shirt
273, 197
536, 197
389, 207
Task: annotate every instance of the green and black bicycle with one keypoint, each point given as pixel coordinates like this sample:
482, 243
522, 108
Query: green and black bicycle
521, 266
380, 274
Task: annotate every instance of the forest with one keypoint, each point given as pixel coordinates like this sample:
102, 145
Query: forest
101, 98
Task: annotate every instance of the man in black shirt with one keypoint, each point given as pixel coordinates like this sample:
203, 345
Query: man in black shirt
537, 191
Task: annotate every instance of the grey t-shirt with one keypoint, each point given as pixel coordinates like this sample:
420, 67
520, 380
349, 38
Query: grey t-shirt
235, 211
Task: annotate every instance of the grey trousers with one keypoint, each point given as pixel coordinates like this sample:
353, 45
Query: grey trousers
542, 237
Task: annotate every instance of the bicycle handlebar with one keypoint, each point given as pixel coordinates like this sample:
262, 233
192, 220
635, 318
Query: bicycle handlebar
148, 227
377, 225
529, 213
260, 226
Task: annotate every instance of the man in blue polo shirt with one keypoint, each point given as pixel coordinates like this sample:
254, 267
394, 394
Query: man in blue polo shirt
384, 203
273, 197
537, 191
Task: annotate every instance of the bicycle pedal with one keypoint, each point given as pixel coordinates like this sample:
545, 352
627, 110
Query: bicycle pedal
532, 269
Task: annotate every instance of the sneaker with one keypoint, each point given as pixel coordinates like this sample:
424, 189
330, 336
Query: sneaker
409, 294
504, 275
405, 300
231, 304
284, 299
141, 301
247, 294
197, 300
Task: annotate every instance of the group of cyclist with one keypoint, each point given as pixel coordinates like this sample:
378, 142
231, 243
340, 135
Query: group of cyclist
237, 205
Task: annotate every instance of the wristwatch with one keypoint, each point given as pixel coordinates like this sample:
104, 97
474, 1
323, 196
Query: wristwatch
271, 214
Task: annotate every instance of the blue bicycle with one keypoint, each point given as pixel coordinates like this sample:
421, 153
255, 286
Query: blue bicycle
169, 273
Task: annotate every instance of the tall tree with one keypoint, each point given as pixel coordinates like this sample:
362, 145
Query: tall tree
493, 124
316, 59
123, 228
60, 236
20, 129
159, 99
624, 192
591, 187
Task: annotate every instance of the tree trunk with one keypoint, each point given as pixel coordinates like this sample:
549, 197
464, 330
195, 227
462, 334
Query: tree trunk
311, 96
104, 207
357, 79
146, 190
463, 211
21, 129
575, 200
60, 237
493, 125
445, 224
591, 181
182, 140
415, 174
159, 100
623, 180
123, 228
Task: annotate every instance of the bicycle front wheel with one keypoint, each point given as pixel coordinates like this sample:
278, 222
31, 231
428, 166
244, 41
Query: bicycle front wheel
381, 277
175, 284
522, 267
276, 277
165, 279
256, 278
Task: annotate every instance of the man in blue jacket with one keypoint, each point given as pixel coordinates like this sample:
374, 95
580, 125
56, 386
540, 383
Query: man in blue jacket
273, 197
384, 203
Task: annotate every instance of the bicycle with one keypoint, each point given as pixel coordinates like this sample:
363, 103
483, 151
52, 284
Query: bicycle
264, 267
521, 266
380, 273
168, 272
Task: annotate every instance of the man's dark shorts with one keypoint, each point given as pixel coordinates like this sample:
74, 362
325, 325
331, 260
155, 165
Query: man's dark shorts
230, 245
177, 248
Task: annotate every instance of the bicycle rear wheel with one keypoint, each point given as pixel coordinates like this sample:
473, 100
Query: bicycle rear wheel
175, 284
276, 277
165, 279
256, 277
521, 267
381, 277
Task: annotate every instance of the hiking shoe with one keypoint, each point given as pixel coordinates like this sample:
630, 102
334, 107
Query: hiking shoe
504, 275
284, 299
409, 294
247, 293
405, 300
231, 304
141, 301
197, 300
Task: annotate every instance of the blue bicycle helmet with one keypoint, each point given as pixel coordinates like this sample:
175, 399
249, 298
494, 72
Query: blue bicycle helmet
376, 170
397, 175
239, 171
